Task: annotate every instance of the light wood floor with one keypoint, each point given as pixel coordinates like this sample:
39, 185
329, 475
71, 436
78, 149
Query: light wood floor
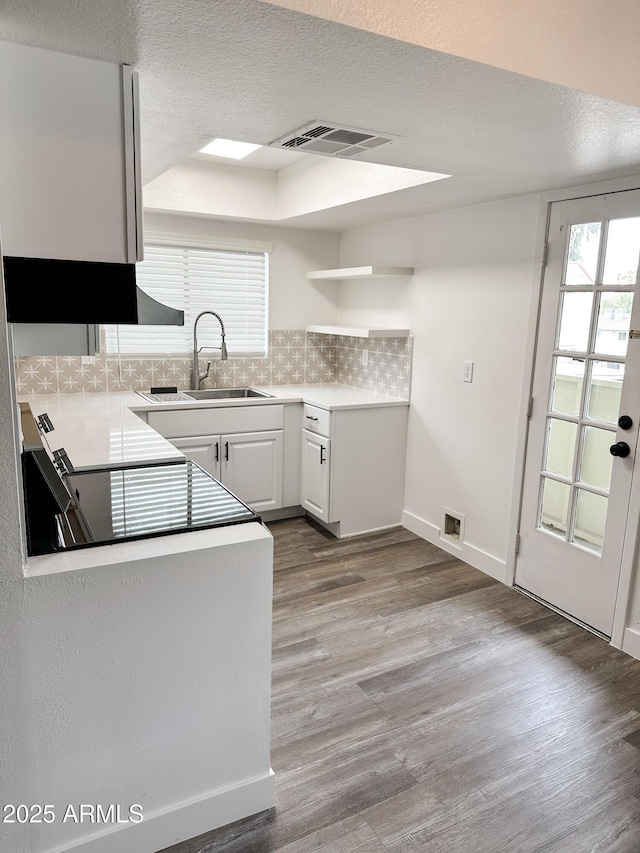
420, 706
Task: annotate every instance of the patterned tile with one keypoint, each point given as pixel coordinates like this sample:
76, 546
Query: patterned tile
388, 369
295, 356
223, 375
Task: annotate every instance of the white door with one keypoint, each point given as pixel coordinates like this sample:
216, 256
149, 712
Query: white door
316, 462
205, 450
252, 467
586, 407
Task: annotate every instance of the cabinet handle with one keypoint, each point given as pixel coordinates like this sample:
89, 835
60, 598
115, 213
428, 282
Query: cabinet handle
226, 451
310, 418
217, 451
322, 456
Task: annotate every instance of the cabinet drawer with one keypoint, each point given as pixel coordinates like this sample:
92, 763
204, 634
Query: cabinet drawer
316, 420
186, 422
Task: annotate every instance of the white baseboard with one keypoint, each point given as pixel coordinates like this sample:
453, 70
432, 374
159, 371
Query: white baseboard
182, 821
476, 557
631, 642
280, 514
337, 528
368, 531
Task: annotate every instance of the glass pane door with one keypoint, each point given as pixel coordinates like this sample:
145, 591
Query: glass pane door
575, 528
594, 316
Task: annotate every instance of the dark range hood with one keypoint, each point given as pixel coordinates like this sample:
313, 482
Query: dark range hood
42, 290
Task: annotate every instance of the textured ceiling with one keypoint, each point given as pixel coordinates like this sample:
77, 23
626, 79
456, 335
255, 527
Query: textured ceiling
252, 71
585, 44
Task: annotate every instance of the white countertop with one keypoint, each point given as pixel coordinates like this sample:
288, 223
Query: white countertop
332, 396
138, 550
101, 429
329, 395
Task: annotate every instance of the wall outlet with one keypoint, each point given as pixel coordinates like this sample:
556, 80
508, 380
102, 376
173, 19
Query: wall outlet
467, 374
364, 358
87, 359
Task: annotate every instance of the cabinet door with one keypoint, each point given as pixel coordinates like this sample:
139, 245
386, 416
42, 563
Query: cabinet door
65, 191
252, 467
316, 462
205, 450
61, 339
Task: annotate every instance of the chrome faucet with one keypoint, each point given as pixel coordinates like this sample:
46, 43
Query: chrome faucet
196, 376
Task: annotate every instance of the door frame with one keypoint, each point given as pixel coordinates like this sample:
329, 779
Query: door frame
628, 641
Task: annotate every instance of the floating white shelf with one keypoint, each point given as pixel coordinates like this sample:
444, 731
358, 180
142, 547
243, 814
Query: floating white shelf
360, 331
361, 272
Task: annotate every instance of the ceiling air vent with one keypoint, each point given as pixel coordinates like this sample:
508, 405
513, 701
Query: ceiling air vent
322, 137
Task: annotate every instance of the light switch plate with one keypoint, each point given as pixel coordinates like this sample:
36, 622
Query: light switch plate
467, 375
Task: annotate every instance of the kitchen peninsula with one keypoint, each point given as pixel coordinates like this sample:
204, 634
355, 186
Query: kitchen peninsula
179, 722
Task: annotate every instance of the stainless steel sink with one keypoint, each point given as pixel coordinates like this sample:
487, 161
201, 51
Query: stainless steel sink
224, 393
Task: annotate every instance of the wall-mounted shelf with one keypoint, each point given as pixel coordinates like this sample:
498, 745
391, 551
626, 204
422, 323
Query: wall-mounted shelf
359, 331
369, 272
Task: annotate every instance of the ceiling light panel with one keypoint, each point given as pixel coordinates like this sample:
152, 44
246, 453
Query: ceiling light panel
229, 148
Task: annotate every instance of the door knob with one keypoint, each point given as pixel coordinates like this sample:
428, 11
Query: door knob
621, 448
625, 422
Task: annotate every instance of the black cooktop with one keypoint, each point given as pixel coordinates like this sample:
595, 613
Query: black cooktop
134, 503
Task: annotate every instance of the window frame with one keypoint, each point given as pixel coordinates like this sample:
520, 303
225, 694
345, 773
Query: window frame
160, 239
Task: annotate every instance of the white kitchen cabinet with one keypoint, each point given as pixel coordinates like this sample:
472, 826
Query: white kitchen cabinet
248, 460
58, 339
252, 468
69, 157
215, 420
349, 463
316, 462
69, 170
205, 450
249, 464
359, 487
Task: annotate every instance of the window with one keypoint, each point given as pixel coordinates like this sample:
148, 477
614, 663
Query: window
231, 282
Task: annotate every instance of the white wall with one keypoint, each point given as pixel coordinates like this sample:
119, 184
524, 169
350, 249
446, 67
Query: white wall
320, 183
294, 301
17, 752
467, 301
197, 187
316, 183
145, 681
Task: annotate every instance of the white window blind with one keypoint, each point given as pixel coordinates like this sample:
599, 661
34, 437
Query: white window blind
233, 283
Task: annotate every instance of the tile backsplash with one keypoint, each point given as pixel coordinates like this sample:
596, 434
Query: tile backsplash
295, 357
388, 364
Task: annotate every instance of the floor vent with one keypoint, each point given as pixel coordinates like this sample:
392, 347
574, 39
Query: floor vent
321, 137
452, 529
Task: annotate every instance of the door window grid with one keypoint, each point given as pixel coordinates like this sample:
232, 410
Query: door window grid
572, 496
